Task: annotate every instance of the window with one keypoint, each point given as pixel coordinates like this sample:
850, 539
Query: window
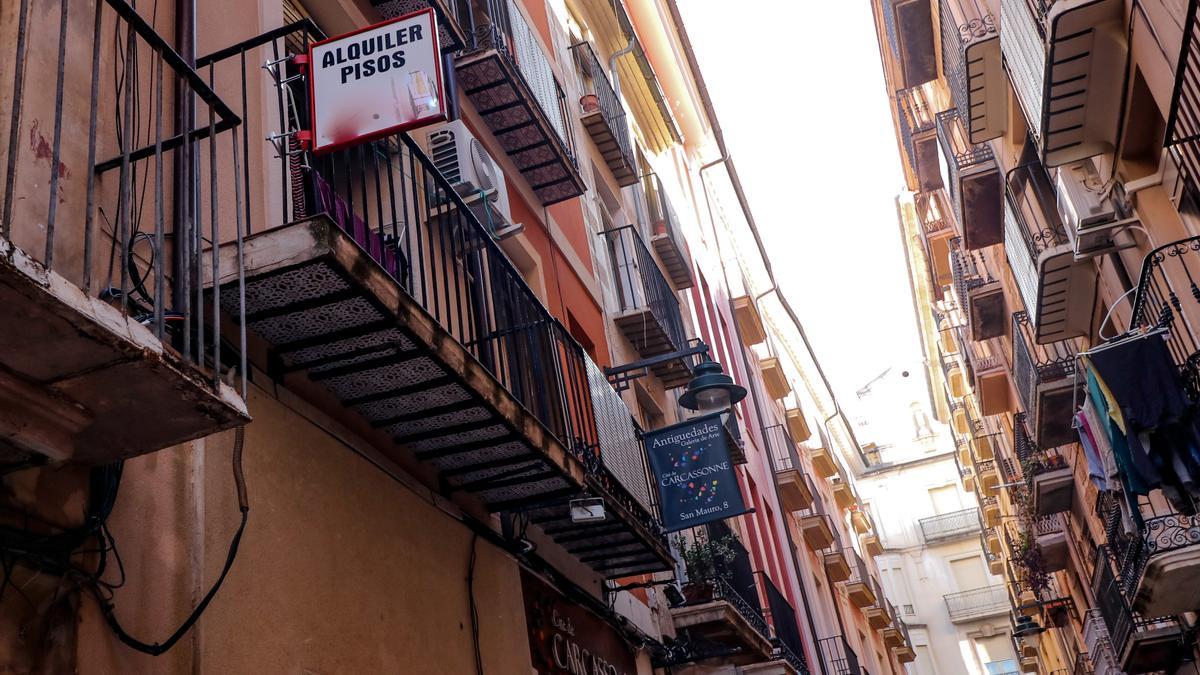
945, 499
968, 573
996, 654
923, 664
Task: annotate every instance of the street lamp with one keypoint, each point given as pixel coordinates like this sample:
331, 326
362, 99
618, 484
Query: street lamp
711, 389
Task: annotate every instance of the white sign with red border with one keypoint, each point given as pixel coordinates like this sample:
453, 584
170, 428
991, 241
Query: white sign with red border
376, 81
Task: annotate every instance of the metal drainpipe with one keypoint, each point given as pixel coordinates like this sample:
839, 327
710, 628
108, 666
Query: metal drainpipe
612, 67
787, 531
185, 42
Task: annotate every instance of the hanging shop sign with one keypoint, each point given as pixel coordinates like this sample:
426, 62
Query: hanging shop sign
376, 81
568, 639
694, 473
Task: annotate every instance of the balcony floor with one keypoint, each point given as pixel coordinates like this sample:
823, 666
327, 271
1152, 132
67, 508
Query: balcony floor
330, 313
79, 379
499, 93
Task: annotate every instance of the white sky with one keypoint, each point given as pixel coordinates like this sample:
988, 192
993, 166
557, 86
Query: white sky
800, 94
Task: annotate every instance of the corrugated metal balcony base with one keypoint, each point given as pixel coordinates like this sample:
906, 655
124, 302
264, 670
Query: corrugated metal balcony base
328, 312
674, 258
450, 34
79, 379
650, 338
602, 135
498, 91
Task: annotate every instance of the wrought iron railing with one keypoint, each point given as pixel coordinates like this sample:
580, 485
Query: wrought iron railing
660, 212
931, 208
127, 167
1168, 295
609, 104
859, 573
640, 282
388, 196
988, 601
969, 272
1034, 364
1121, 622
1031, 226
916, 117
506, 31
733, 581
783, 448
785, 628
839, 658
960, 154
950, 525
963, 23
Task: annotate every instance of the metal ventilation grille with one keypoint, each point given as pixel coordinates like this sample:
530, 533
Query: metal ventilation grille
443, 151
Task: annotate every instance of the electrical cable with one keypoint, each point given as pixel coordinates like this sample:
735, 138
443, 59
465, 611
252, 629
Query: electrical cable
471, 602
157, 648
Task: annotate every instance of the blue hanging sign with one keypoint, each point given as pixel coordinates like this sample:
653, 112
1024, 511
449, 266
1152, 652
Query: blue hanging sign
692, 468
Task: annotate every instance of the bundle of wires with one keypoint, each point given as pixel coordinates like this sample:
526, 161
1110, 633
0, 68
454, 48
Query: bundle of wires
62, 553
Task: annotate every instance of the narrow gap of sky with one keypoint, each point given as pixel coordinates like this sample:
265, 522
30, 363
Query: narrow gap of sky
799, 91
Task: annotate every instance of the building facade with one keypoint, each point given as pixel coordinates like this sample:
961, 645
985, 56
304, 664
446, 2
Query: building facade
279, 400
1049, 156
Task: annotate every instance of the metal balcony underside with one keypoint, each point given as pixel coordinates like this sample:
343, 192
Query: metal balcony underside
1086, 50
329, 313
604, 136
79, 379
451, 37
498, 91
650, 338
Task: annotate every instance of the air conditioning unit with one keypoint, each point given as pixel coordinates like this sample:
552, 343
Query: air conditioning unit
1090, 216
475, 176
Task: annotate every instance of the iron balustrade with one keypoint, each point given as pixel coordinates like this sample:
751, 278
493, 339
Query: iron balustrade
963, 23
960, 154
839, 658
135, 166
1035, 365
969, 272
504, 29
859, 574
607, 100
641, 284
660, 213
388, 196
1031, 226
1168, 295
950, 525
916, 117
1183, 120
783, 449
931, 208
1121, 622
734, 580
785, 628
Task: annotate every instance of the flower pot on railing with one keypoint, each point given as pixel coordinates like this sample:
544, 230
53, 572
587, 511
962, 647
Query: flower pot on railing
698, 592
590, 103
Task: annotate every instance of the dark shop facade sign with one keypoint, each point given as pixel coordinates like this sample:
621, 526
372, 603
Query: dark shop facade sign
696, 480
568, 639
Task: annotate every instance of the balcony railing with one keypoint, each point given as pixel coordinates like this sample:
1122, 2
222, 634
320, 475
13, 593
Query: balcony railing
1183, 121
650, 317
1140, 644
839, 658
918, 133
1044, 377
972, 63
910, 32
1155, 565
663, 227
604, 118
785, 630
111, 196
387, 296
456, 20
1066, 61
508, 78
1166, 297
1058, 291
979, 293
977, 603
949, 526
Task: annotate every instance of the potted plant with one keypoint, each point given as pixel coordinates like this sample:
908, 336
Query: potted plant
590, 103
705, 561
